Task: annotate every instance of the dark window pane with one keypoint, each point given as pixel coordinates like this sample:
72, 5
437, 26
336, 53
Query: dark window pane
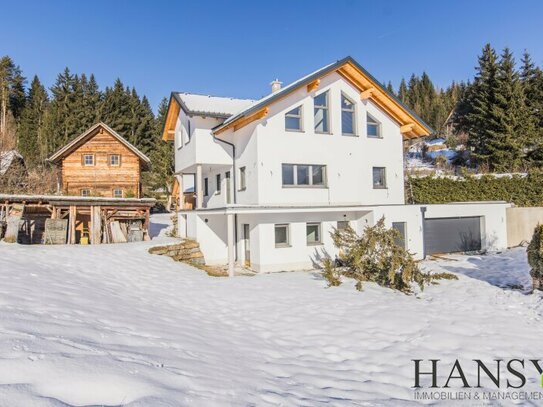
281, 234
400, 227
373, 127
292, 123
321, 100
318, 174
346, 103
288, 174
313, 233
342, 224
321, 120
347, 122
379, 180
303, 174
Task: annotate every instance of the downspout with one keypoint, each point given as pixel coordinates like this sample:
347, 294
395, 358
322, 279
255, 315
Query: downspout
235, 190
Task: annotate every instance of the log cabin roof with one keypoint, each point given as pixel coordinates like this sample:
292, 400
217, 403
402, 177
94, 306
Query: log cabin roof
87, 135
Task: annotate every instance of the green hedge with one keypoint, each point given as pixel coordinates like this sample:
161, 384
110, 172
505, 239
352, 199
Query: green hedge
522, 191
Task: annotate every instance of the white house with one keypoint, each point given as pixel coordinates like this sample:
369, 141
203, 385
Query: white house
274, 176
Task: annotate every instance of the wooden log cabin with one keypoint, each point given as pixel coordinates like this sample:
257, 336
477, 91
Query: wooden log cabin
101, 163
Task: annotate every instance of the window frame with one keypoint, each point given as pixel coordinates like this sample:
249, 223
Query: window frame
310, 174
326, 109
114, 192
385, 184
319, 233
378, 126
82, 190
109, 158
346, 222
242, 178
353, 115
300, 117
84, 161
287, 234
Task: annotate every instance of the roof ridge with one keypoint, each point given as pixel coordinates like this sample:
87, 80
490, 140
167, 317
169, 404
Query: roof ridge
214, 96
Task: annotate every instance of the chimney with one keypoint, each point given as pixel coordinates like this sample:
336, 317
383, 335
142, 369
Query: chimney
276, 85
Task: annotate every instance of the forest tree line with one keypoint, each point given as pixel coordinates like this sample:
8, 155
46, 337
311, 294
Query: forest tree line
498, 115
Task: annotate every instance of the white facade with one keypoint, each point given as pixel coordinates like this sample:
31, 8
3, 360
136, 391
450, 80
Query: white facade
242, 197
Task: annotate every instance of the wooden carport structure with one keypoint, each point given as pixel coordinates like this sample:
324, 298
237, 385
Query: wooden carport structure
95, 214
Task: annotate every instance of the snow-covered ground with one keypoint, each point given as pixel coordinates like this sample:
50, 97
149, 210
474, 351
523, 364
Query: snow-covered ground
113, 325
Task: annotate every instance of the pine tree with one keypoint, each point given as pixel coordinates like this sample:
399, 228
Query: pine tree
402, 91
482, 99
12, 93
508, 127
532, 83
31, 142
115, 110
60, 120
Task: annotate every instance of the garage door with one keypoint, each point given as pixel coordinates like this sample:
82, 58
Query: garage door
449, 235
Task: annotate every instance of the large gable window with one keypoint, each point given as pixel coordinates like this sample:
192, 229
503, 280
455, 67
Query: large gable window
321, 113
374, 127
347, 116
293, 119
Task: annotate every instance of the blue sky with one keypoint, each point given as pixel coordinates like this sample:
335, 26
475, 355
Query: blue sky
235, 48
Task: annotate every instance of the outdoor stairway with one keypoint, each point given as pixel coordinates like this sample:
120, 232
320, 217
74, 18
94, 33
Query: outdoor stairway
187, 251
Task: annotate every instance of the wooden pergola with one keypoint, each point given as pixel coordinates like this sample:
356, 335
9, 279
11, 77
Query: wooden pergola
102, 211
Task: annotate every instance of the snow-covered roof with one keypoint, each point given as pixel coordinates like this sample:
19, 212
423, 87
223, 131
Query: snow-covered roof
6, 158
194, 103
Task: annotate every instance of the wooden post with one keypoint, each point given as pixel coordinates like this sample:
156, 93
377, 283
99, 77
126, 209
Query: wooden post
180, 195
71, 224
96, 225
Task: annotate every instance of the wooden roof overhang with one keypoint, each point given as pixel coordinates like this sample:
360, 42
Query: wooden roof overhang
411, 125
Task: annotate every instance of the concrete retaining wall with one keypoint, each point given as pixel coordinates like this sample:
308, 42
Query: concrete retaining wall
521, 223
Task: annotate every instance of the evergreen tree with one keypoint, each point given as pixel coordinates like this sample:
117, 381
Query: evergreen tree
60, 120
390, 88
31, 142
482, 98
12, 92
402, 91
115, 111
532, 83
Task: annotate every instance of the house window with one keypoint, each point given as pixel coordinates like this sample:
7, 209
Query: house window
347, 116
374, 127
88, 159
242, 181
218, 183
342, 225
281, 235
117, 193
313, 233
304, 175
321, 113
293, 119
206, 186
114, 160
400, 227
189, 130
85, 192
379, 177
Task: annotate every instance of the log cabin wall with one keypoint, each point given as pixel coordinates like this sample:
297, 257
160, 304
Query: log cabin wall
102, 178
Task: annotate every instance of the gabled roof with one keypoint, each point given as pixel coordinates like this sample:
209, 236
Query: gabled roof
7, 158
370, 88
411, 125
211, 106
87, 135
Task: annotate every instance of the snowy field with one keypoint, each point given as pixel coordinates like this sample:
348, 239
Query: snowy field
112, 325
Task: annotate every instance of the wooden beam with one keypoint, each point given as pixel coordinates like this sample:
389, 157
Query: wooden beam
96, 225
71, 224
314, 85
365, 95
249, 119
406, 128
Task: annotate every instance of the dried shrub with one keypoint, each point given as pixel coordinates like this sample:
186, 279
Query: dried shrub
376, 257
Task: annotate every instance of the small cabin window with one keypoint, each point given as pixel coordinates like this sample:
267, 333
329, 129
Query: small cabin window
117, 193
88, 159
85, 192
114, 160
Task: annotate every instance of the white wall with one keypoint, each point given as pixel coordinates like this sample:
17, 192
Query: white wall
349, 159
